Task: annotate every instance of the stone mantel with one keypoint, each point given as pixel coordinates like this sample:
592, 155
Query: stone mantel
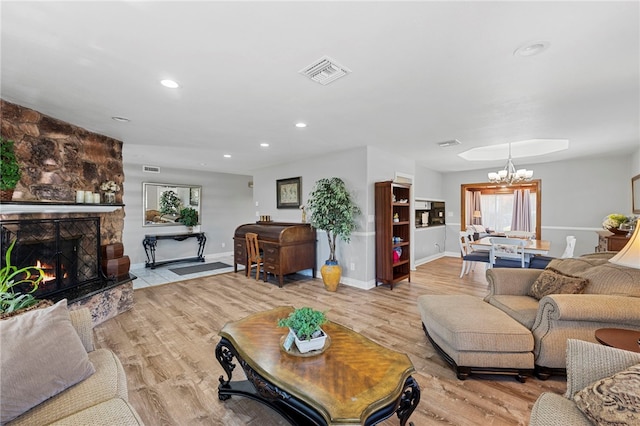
28, 207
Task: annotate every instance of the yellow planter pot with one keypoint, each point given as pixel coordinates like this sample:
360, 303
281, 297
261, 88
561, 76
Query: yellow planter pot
331, 274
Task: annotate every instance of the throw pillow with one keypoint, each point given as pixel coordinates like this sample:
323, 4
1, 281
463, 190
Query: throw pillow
40, 356
613, 400
552, 281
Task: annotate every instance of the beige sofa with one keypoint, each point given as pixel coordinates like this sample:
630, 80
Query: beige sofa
610, 299
587, 364
100, 399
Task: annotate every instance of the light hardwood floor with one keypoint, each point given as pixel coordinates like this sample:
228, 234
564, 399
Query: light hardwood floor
166, 344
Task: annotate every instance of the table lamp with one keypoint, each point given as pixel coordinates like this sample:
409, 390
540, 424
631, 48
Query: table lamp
629, 256
476, 216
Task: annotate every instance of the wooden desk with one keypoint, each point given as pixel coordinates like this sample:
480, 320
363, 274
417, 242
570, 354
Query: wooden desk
620, 338
287, 247
151, 241
354, 381
532, 247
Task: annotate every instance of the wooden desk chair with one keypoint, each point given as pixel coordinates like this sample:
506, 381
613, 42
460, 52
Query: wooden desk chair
253, 255
508, 253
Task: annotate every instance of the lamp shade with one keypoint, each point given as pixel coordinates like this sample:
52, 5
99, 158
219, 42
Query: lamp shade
477, 213
629, 256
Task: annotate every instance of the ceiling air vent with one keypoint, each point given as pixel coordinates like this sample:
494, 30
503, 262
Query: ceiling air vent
452, 142
325, 70
151, 169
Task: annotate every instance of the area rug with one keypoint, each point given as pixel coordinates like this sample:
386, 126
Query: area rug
203, 267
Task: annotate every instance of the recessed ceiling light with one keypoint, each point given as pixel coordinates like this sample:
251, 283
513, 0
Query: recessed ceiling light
531, 48
264, 145
120, 119
170, 84
227, 156
301, 125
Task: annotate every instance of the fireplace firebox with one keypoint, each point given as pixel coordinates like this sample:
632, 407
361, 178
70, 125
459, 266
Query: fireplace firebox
67, 250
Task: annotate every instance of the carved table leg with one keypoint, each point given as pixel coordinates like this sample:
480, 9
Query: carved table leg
224, 354
409, 400
150, 250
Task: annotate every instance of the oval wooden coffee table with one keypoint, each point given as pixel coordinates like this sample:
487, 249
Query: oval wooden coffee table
354, 381
620, 338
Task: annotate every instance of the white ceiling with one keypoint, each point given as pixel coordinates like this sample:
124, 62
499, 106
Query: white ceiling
423, 73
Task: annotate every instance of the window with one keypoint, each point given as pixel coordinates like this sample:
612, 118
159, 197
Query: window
497, 211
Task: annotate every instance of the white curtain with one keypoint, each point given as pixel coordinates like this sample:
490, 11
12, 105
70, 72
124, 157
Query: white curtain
473, 203
521, 218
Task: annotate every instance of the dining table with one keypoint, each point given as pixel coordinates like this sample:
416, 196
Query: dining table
533, 247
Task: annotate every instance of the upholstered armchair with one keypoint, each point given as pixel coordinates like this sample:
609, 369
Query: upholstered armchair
590, 366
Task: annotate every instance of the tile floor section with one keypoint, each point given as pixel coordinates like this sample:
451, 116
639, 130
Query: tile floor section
148, 277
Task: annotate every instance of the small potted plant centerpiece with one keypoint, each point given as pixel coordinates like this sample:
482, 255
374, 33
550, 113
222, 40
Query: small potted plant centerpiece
188, 217
9, 170
11, 278
333, 210
304, 323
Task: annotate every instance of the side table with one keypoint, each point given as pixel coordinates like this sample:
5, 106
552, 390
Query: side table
620, 338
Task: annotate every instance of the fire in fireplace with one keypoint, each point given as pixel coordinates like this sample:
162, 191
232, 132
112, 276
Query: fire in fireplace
68, 250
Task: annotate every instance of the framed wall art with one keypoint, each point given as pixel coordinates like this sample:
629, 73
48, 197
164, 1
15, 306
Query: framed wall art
289, 193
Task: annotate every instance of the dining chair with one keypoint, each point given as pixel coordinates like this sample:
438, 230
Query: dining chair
508, 253
541, 262
520, 234
253, 255
470, 256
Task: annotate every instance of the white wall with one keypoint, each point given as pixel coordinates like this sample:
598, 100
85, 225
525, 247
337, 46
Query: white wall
576, 196
348, 165
226, 202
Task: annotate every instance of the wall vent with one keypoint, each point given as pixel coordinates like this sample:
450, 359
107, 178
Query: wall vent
151, 169
324, 70
452, 142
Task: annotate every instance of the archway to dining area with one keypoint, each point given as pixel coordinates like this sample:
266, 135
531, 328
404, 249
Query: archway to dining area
501, 215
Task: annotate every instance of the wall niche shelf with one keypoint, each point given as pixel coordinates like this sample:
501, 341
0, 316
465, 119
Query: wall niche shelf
54, 207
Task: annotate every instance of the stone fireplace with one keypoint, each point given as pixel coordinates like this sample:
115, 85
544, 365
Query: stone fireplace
57, 159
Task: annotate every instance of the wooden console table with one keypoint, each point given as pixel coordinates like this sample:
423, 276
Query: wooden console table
353, 381
608, 241
151, 241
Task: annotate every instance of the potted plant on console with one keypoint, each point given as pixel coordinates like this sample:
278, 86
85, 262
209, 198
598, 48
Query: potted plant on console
304, 323
332, 209
9, 170
188, 217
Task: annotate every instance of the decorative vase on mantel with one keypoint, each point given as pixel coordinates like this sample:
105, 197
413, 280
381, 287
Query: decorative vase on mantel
109, 197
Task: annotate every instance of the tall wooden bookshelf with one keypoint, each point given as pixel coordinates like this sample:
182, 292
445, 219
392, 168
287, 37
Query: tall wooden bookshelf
393, 232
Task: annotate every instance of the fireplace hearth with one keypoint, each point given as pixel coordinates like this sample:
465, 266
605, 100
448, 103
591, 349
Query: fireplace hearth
68, 251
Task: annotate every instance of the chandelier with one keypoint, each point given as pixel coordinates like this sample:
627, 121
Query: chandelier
509, 174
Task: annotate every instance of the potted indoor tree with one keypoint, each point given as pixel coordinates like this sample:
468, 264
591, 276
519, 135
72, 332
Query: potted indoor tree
170, 203
305, 325
332, 209
188, 217
12, 280
9, 169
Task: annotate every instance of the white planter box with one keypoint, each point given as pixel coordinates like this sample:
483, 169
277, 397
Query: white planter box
305, 346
